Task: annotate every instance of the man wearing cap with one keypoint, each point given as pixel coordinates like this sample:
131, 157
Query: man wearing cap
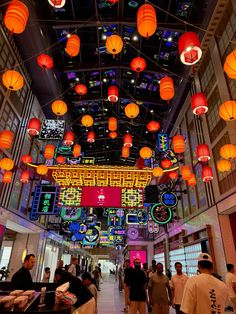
204, 294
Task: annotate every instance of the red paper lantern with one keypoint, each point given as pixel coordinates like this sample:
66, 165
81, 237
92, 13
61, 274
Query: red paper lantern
125, 152
138, 64
140, 163
81, 89
49, 151
7, 177
6, 139
25, 176
113, 135
91, 137
189, 48
166, 163
57, 3
69, 138
60, 160
173, 175
34, 126
207, 174
112, 1
113, 93
199, 104
45, 61
203, 152
76, 150
192, 181
186, 172
26, 159
153, 126
128, 140
112, 124
16, 17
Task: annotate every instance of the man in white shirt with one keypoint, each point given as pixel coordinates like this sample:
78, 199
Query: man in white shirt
73, 266
230, 280
177, 285
204, 294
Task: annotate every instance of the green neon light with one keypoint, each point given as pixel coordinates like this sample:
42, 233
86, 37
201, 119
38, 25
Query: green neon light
154, 218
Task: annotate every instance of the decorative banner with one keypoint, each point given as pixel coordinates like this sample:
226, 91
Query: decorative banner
169, 199
162, 142
44, 202
52, 130
70, 214
132, 198
161, 214
142, 255
101, 196
70, 196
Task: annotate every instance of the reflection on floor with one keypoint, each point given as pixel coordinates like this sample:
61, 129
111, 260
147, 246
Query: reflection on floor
110, 300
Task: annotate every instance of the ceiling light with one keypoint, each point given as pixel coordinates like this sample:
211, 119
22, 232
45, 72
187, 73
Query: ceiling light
107, 146
151, 111
135, 38
146, 132
169, 38
68, 35
104, 36
106, 109
107, 131
132, 81
104, 80
83, 109
77, 79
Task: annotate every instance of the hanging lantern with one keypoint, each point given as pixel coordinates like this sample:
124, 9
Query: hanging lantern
16, 17
189, 48
203, 152
186, 173
227, 110
173, 175
76, 150
112, 2
49, 151
199, 104
12, 80
60, 160
57, 4
178, 144
73, 45
6, 139
26, 159
153, 126
228, 151
157, 172
7, 177
128, 140
207, 174
224, 165
230, 65
112, 124
59, 107
91, 137
192, 181
69, 138
167, 90
138, 64
140, 163
146, 20
131, 110
87, 121
25, 176
114, 44
6, 164
166, 163
34, 126
113, 93
113, 135
145, 152
81, 89
45, 61
42, 170
125, 152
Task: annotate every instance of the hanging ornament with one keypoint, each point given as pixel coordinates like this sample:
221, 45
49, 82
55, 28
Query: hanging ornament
157, 172
42, 170
153, 126
59, 107
189, 48
230, 65
69, 138
7, 177
91, 137
146, 20
6, 139
228, 151
224, 165
173, 175
16, 17
128, 140
12, 80
199, 104
87, 121
113, 93
178, 144
113, 135
73, 45
192, 181
49, 151
60, 160
207, 174
131, 110
138, 64
57, 4
26, 159
227, 110
76, 150
114, 44
125, 152
25, 176
112, 124
203, 152
186, 172
34, 126
145, 152
166, 163
45, 61
81, 89
167, 90
6, 164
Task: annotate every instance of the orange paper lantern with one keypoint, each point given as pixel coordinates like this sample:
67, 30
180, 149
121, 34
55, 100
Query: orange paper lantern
207, 174
76, 150
42, 170
146, 20
91, 137
131, 110
34, 126
59, 107
69, 138
125, 152
178, 144
173, 175
6, 164
16, 17
26, 159
145, 152
128, 140
81, 89
60, 160
25, 176
6, 139
138, 64
157, 172
73, 45
153, 126
224, 165
227, 110
228, 151
7, 177
114, 44
113, 135
192, 181
45, 61
166, 163
87, 121
167, 90
112, 124
113, 93
186, 172
49, 151
230, 65
12, 80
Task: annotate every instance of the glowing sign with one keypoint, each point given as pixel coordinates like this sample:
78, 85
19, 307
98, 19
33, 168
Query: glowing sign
70, 196
101, 196
161, 214
113, 219
163, 142
131, 198
139, 218
52, 130
70, 214
142, 255
169, 199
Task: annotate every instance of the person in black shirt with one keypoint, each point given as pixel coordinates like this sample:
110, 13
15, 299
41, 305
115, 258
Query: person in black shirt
22, 279
136, 282
127, 270
86, 302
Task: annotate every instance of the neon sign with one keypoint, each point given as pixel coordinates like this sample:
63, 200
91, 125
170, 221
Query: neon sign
169, 199
161, 214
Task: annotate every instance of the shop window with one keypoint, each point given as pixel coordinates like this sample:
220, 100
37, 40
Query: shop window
206, 74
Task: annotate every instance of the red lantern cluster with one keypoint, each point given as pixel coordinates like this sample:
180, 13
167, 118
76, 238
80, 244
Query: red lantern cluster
128, 140
203, 152
189, 48
45, 61
33, 126
113, 93
199, 104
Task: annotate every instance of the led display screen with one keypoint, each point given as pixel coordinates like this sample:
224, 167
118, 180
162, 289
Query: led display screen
142, 255
52, 130
101, 196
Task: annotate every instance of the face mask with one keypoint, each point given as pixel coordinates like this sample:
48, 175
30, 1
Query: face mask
137, 267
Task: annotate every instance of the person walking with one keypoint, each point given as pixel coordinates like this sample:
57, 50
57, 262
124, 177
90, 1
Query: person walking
22, 279
177, 285
159, 292
96, 277
127, 271
230, 280
204, 294
73, 266
136, 282
88, 282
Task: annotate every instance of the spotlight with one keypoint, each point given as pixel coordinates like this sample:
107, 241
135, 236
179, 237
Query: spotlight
77, 79
169, 38
132, 81
68, 35
104, 36
104, 80
135, 38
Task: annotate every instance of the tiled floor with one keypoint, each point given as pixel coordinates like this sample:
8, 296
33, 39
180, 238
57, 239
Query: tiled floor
110, 300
